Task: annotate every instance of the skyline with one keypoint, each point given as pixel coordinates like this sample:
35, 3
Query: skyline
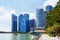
7, 7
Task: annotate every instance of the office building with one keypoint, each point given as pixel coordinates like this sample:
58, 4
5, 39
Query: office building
49, 8
14, 23
24, 23
40, 18
32, 24
21, 23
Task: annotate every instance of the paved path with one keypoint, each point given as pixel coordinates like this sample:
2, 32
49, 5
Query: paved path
46, 37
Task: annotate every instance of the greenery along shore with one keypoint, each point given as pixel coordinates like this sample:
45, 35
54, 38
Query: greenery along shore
53, 20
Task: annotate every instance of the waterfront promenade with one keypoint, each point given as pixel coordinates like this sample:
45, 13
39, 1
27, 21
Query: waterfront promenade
46, 37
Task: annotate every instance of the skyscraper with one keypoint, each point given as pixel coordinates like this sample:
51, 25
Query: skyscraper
44, 19
21, 23
40, 18
14, 23
49, 8
32, 24
24, 23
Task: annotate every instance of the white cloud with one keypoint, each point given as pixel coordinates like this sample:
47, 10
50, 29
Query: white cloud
32, 16
50, 2
5, 19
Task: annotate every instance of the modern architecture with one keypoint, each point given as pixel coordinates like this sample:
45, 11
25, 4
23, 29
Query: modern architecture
14, 23
40, 18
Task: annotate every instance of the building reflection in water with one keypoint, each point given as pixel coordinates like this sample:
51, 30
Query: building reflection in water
23, 37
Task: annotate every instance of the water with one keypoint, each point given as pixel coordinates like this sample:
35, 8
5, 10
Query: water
10, 36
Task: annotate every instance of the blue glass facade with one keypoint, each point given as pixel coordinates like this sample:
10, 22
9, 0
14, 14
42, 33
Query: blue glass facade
40, 18
24, 23
49, 8
26, 17
32, 23
14, 23
21, 23
44, 19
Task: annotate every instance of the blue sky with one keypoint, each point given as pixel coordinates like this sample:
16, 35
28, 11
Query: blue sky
22, 5
7, 7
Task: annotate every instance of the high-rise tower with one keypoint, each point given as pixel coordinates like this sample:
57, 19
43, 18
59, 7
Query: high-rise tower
40, 18
24, 23
14, 23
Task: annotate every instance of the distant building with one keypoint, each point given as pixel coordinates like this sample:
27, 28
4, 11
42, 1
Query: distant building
32, 24
49, 8
14, 23
21, 23
40, 18
44, 19
24, 23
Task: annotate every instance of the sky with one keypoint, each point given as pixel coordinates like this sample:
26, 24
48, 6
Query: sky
17, 7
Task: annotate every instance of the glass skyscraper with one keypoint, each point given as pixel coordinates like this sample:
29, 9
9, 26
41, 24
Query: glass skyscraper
49, 8
14, 23
32, 24
21, 23
40, 18
24, 23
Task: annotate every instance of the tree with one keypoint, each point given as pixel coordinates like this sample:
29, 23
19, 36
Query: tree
53, 20
54, 15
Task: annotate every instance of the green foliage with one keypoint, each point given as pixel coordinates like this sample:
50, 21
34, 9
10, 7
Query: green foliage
56, 28
53, 20
50, 34
54, 16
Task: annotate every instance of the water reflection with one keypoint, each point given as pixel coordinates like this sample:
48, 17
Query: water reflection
31, 37
23, 37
